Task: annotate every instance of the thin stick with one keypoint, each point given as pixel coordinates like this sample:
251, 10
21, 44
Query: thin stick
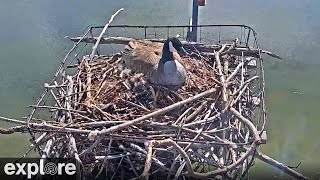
226, 168
248, 51
249, 124
156, 161
59, 108
12, 130
166, 142
156, 113
234, 72
95, 47
279, 165
105, 159
12, 120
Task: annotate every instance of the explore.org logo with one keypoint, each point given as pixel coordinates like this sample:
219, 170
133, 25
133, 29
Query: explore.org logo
39, 167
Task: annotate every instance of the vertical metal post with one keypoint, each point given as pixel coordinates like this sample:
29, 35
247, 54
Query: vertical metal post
247, 43
145, 32
194, 20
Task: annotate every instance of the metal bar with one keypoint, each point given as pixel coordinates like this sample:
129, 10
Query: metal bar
195, 12
183, 32
247, 43
56, 75
170, 26
200, 34
219, 34
145, 33
43, 95
187, 26
177, 26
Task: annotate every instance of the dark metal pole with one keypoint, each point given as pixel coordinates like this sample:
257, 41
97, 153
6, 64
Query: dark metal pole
194, 20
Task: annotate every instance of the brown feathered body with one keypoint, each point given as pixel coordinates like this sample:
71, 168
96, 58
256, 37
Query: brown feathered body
144, 57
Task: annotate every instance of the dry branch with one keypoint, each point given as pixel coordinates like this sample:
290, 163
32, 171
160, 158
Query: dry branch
188, 45
279, 165
118, 125
157, 113
95, 47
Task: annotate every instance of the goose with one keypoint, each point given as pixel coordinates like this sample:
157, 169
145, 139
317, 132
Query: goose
161, 67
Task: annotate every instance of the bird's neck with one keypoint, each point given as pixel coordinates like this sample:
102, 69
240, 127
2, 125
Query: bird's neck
167, 55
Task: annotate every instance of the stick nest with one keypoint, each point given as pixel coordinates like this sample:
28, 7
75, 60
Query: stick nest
124, 95
118, 125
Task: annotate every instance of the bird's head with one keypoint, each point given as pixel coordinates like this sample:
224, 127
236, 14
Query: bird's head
175, 45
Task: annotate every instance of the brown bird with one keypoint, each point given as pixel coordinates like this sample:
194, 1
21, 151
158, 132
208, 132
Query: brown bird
161, 67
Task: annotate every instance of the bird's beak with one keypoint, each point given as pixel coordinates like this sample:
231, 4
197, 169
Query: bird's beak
182, 52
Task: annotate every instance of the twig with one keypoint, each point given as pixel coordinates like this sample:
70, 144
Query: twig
105, 159
248, 51
249, 124
227, 168
95, 47
157, 113
234, 72
166, 142
12, 130
59, 108
279, 165
12, 120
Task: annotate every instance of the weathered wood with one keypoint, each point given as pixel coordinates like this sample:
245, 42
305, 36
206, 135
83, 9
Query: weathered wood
250, 125
95, 47
184, 155
203, 48
279, 165
12, 130
156, 113
11, 120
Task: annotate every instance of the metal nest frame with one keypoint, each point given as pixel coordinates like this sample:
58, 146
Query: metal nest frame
247, 38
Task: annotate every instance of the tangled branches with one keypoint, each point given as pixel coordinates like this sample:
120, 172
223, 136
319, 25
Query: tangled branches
111, 119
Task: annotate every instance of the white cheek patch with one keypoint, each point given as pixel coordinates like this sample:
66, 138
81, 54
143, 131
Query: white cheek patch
171, 48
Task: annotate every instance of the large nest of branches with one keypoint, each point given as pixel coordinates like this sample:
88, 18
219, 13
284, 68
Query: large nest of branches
119, 94
119, 126
126, 127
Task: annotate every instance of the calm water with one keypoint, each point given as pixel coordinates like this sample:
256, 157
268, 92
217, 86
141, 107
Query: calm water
32, 44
